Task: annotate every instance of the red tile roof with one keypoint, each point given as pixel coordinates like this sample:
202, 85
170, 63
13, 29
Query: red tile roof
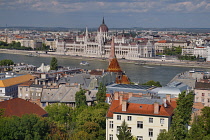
18, 107
95, 72
146, 109
162, 41
114, 66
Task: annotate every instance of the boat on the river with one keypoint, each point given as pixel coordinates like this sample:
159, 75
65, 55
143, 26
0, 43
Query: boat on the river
84, 63
32, 55
148, 67
140, 63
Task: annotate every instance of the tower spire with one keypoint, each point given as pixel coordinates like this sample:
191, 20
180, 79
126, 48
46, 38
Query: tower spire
103, 21
112, 50
86, 32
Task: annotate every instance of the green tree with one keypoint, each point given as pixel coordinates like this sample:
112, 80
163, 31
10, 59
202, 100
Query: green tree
124, 133
200, 129
59, 113
178, 50
54, 64
1, 112
181, 118
101, 94
164, 135
6, 62
25, 127
153, 83
80, 98
92, 121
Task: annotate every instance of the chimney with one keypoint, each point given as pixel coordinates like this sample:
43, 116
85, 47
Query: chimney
36, 81
116, 95
168, 97
121, 99
156, 108
164, 102
124, 105
130, 94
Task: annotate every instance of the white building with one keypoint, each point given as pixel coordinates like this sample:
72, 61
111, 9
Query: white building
145, 118
99, 46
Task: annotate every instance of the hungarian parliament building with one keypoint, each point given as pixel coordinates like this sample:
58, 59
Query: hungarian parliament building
99, 45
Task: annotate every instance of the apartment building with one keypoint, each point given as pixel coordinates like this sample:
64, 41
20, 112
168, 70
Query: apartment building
9, 84
145, 117
202, 92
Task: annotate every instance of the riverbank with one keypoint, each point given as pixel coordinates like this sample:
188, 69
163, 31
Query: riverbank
141, 61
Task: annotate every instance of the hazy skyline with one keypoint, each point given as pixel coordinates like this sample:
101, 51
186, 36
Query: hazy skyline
117, 13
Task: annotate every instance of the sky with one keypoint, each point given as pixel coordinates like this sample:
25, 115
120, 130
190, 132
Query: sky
117, 13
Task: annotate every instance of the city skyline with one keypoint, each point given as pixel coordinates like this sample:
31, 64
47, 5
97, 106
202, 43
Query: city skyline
118, 14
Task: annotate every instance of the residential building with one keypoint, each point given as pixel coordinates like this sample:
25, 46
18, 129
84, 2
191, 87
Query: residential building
9, 84
64, 93
202, 92
145, 118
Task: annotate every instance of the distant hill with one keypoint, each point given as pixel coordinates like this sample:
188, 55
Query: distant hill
195, 30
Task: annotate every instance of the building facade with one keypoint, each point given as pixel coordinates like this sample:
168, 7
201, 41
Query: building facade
99, 45
145, 118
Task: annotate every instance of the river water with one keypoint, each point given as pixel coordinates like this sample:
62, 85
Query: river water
137, 73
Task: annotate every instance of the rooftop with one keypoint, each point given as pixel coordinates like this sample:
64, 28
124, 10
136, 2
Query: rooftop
6, 82
19, 107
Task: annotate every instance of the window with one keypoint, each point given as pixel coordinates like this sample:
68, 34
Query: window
118, 117
118, 130
129, 118
150, 132
208, 100
150, 120
202, 100
140, 124
129, 129
162, 121
209, 94
110, 136
203, 94
110, 124
139, 137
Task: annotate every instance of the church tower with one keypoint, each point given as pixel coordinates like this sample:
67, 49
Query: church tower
121, 78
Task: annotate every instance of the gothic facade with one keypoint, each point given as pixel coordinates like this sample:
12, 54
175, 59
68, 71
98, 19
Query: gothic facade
99, 45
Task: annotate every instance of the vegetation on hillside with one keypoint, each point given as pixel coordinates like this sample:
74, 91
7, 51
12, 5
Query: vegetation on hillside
153, 83
13, 45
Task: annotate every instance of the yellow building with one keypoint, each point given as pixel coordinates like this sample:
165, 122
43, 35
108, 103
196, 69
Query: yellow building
9, 84
145, 118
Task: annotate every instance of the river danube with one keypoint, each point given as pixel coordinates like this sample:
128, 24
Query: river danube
137, 73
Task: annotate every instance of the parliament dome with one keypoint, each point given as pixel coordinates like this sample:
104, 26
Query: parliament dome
103, 27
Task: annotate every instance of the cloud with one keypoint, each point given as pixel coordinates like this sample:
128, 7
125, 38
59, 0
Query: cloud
108, 6
187, 6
